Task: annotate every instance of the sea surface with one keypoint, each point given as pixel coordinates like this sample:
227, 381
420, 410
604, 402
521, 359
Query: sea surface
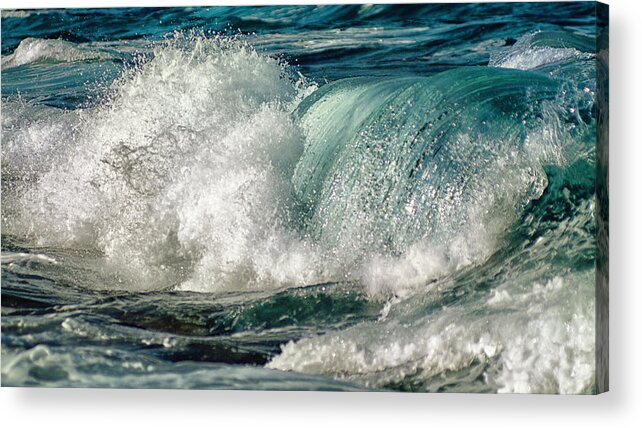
362, 197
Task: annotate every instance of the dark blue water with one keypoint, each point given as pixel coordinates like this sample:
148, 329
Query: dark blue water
322, 42
301, 197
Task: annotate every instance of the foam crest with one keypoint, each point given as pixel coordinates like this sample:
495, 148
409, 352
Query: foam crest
539, 49
32, 50
539, 341
183, 174
14, 14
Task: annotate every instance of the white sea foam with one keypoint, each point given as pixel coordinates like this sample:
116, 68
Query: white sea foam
54, 50
536, 57
14, 14
182, 177
422, 263
34, 137
523, 55
540, 340
11, 258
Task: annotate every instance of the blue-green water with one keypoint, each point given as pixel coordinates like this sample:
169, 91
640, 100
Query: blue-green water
303, 197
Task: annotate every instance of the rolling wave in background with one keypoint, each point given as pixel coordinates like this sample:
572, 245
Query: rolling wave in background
369, 204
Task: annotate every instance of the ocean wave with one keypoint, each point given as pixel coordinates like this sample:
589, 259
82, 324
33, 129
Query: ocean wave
412, 178
205, 170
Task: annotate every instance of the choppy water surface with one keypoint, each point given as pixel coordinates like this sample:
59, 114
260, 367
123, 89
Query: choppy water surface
333, 197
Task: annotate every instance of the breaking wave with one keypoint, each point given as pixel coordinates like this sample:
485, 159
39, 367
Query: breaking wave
210, 166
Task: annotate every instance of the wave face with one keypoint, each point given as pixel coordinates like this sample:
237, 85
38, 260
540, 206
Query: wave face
425, 231
412, 163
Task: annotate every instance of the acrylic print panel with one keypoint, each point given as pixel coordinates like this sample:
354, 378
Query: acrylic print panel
336, 197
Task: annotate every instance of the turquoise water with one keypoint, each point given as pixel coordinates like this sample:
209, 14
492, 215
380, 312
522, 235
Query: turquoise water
363, 197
